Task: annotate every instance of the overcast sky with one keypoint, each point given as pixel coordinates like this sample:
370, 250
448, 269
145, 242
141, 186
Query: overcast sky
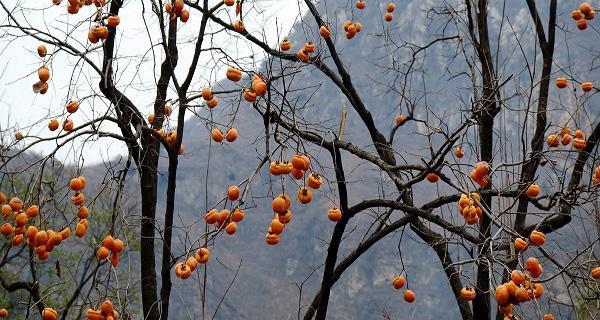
22, 109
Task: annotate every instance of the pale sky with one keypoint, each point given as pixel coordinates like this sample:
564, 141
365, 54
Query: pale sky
22, 109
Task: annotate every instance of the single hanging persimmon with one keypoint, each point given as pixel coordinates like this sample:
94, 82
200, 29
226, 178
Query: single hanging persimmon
237, 215
234, 74
309, 47
229, 3
360, 4
517, 277
49, 314
582, 24
502, 294
468, 293
585, 8
231, 228
18, 135
297, 173
391, 7
206, 93
68, 125
334, 214
533, 190
249, 95
72, 106
185, 16
595, 273
520, 244
548, 316
231, 135
351, 32
458, 152
587, 86
233, 193
561, 82
44, 74
358, 27
304, 195
566, 139
259, 87
285, 45
399, 282
537, 238
576, 15
113, 21
178, 5
212, 103
3, 313
324, 31
579, 144
102, 253
432, 177
314, 181
41, 50
553, 140
276, 226
279, 205
272, 239
409, 296
202, 255
286, 217
216, 135
53, 125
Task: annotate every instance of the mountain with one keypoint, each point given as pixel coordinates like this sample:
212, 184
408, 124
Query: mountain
247, 279
266, 285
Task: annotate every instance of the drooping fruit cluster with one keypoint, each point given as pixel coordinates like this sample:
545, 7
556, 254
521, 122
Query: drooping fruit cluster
582, 15
520, 288
258, 88
77, 184
352, 28
564, 137
283, 215
218, 136
110, 246
176, 9
398, 283
389, 15
480, 173
468, 207
209, 98
183, 270
44, 241
297, 167
225, 218
105, 312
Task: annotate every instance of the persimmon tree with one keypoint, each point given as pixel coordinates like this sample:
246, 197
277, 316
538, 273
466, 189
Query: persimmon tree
495, 197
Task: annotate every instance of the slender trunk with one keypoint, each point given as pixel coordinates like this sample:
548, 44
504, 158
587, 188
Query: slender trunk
148, 186
165, 290
336, 237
